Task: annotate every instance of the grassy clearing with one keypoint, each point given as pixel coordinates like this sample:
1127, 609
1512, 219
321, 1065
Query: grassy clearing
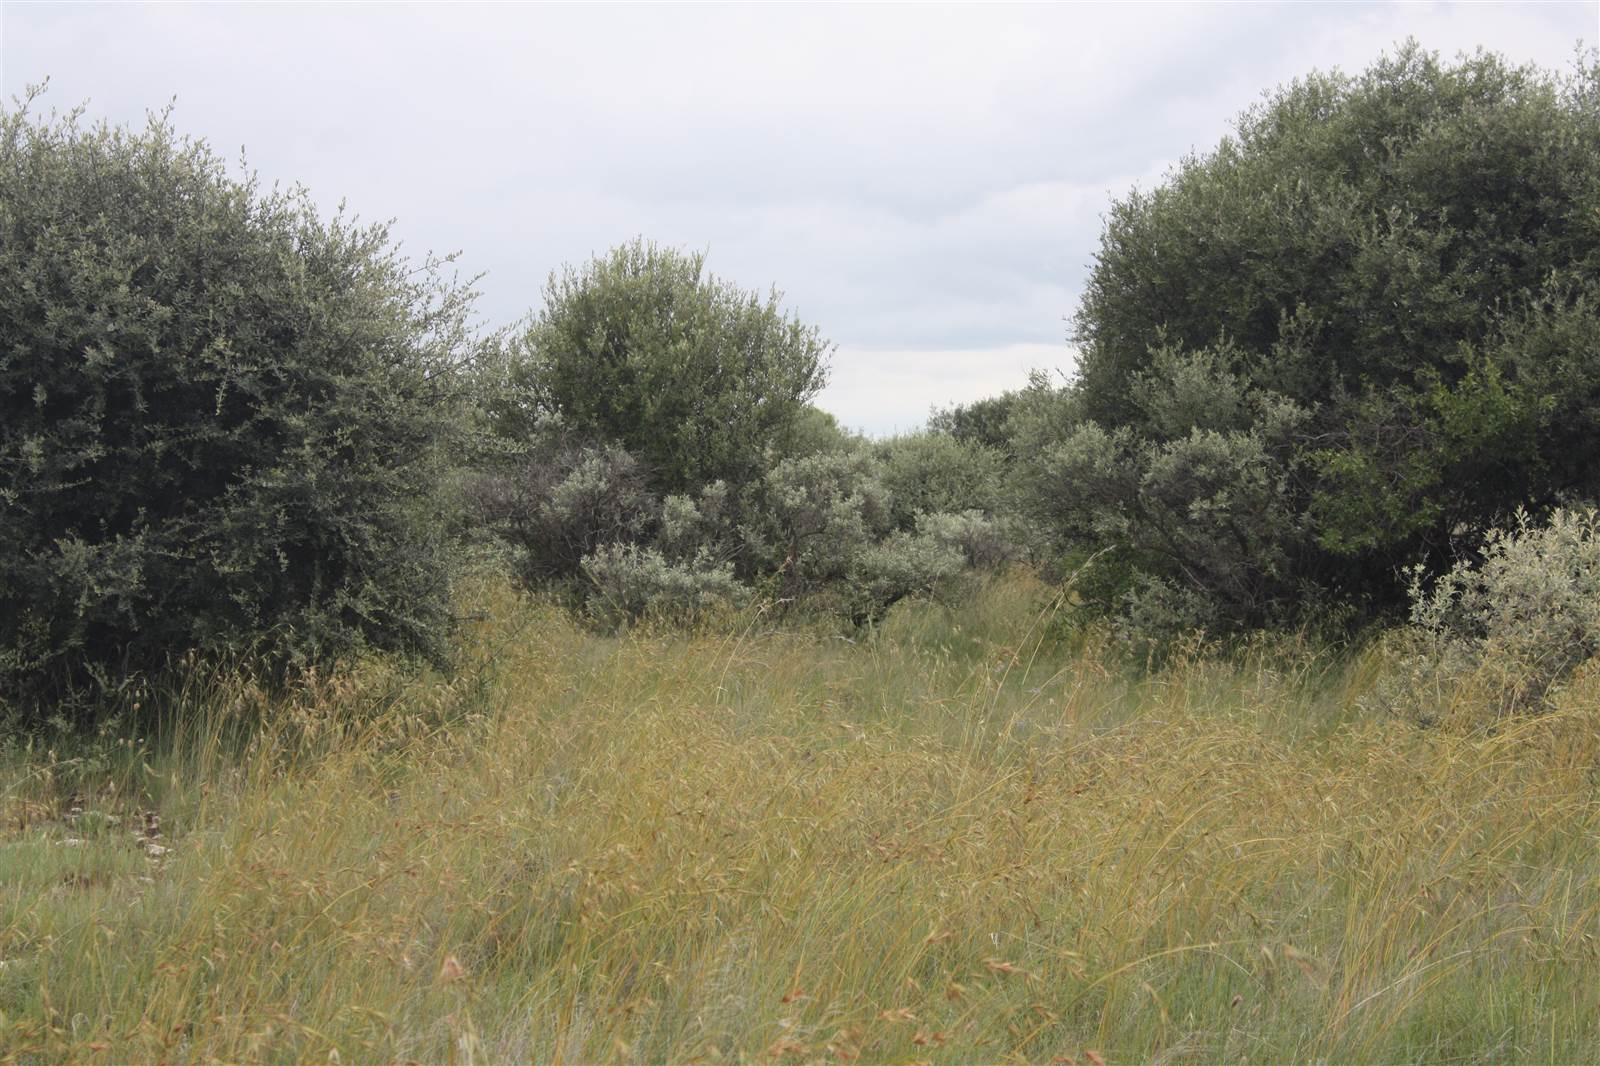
941, 843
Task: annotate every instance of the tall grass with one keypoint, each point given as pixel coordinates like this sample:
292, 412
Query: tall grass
948, 840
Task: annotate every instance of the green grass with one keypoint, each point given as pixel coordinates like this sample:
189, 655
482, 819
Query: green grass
945, 841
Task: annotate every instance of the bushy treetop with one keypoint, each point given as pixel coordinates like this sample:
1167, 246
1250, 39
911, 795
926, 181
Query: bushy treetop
1356, 231
690, 373
1378, 303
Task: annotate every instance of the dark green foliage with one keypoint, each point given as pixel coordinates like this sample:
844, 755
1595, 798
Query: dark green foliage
222, 420
1355, 232
702, 474
562, 501
814, 430
693, 375
1375, 305
985, 421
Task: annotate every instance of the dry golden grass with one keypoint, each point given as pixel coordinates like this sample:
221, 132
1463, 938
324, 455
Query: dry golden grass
942, 842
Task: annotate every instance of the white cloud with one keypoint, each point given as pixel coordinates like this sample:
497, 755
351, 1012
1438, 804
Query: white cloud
885, 391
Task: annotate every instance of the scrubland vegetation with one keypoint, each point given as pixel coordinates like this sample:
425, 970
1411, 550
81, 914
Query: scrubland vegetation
383, 685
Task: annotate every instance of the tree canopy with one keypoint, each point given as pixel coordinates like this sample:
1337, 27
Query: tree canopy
1368, 318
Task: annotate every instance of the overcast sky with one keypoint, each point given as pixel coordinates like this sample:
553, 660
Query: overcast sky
926, 184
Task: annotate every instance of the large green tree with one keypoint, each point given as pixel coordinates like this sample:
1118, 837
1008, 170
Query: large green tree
641, 347
1370, 316
223, 420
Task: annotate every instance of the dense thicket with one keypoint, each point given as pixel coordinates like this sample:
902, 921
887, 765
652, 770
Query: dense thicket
1368, 319
221, 418
662, 459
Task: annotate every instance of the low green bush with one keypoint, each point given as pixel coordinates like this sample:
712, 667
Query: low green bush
901, 565
808, 518
1505, 628
562, 501
629, 583
985, 543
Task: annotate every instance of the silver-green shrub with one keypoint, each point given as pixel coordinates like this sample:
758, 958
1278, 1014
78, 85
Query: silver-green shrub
695, 525
1508, 627
903, 564
926, 473
985, 543
819, 530
808, 519
629, 582
561, 502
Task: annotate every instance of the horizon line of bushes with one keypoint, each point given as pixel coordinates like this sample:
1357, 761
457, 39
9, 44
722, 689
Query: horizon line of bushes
1319, 364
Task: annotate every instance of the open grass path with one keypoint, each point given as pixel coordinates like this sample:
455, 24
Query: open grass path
942, 842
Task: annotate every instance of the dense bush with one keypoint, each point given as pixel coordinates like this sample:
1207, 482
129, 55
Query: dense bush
701, 525
1370, 316
694, 376
1510, 624
986, 421
926, 473
629, 583
661, 455
815, 530
819, 531
1198, 531
813, 430
985, 542
222, 419
563, 500
903, 564
809, 518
